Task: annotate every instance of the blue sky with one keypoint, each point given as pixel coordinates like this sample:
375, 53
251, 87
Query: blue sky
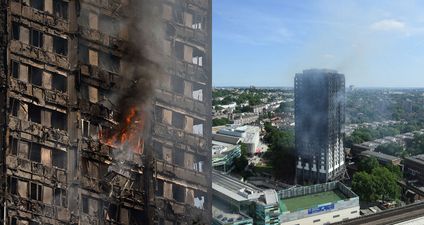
265, 42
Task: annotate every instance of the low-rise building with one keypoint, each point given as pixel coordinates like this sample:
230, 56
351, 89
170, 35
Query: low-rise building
383, 158
224, 154
237, 202
244, 118
250, 135
260, 109
318, 204
414, 167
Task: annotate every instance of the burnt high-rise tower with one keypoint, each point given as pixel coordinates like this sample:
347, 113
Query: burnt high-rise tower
319, 117
105, 112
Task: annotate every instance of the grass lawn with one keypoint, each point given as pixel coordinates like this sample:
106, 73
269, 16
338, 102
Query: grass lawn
310, 201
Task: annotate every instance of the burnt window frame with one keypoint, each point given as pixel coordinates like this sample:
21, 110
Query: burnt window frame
178, 120
60, 197
34, 113
108, 25
34, 152
15, 70
179, 193
13, 145
59, 116
12, 185
109, 62
83, 54
59, 82
61, 9
38, 189
34, 33
177, 85
14, 106
58, 47
37, 4
16, 31
59, 159
178, 157
35, 75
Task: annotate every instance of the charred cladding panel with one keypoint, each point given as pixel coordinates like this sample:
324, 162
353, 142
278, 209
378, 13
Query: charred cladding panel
319, 110
87, 137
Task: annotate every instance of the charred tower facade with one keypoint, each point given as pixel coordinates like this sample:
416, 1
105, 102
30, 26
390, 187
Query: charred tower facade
319, 117
105, 111
181, 132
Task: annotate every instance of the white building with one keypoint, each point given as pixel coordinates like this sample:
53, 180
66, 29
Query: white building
248, 134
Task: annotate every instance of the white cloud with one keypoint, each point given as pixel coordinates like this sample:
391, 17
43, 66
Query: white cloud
388, 25
328, 56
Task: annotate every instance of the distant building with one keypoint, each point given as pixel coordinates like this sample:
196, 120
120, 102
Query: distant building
319, 119
382, 158
259, 109
414, 167
230, 106
248, 134
244, 118
236, 202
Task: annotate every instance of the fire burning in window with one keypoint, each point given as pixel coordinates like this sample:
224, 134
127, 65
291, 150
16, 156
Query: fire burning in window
128, 134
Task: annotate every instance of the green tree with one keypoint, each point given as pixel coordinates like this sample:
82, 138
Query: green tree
417, 145
241, 162
281, 152
375, 182
220, 121
390, 149
364, 186
386, 183
395, 170
368, 164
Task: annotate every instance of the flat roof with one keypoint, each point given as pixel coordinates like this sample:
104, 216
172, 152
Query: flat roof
380, 155
230, 186
418, 159
310, 201
226, 138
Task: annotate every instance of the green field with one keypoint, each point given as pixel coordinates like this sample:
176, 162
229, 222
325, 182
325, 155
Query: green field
310, 201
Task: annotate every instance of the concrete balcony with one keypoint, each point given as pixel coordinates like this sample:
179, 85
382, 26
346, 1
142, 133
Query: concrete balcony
39, 54
38, 16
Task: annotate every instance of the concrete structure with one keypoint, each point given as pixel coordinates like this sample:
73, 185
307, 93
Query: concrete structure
236, 201
250, 135
319, 119
78, 96
414, 167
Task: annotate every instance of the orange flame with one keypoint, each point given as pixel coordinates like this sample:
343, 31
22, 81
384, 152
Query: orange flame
128, 135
